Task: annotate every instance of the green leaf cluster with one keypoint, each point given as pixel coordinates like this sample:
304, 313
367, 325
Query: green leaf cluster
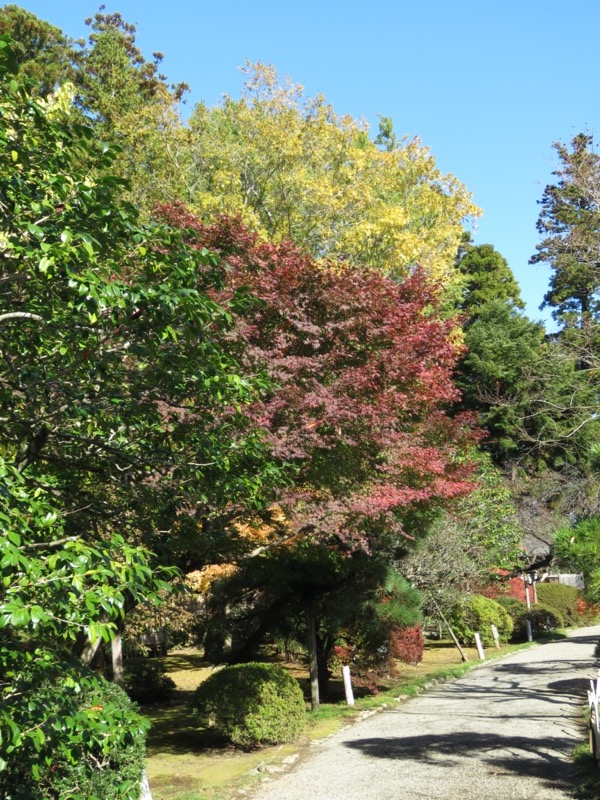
577, 548
122, 424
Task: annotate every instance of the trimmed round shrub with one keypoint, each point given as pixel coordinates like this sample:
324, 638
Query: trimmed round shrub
146, 682
543, 620
252, 704
477, 615
562, 598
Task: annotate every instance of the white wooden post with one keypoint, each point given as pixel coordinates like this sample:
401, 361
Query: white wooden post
145, 787
348, 685
496, 636
527, 598
593, 693
529, 630
116, 647
480, 650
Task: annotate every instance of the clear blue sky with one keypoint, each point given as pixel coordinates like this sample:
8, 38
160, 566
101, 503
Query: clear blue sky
487, 86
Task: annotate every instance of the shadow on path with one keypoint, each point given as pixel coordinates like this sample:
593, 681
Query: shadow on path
500, 755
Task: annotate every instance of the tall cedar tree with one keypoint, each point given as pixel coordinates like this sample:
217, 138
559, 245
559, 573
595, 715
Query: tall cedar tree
487, 278
364, 376
43, 52
569, 223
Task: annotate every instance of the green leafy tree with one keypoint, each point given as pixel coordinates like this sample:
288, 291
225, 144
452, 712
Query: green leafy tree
115, 79
467, 544
494, 376
488, 517
121, 93
577, 548
122, 424
130, 102
120, 382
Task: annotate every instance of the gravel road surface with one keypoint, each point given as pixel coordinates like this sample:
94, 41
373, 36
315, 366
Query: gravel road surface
504, 731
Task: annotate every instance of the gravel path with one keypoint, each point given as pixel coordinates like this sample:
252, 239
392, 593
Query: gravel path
505, 731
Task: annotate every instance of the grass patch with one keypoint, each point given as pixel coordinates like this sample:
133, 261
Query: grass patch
587, 772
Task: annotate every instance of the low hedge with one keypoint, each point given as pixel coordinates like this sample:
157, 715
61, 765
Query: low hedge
562, 598
543, 620
252, 704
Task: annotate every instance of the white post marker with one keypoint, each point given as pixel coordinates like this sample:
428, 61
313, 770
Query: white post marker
527, 598
145, 788
348, 685
593, 696
496, 636
529, 630
479, 646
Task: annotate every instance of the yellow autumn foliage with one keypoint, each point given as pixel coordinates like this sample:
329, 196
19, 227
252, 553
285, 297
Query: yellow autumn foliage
255, 533
200, 580
291, 168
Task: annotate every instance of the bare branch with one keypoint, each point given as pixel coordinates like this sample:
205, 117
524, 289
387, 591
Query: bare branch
20, 315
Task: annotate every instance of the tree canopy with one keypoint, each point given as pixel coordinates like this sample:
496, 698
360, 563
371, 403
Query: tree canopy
44, 53
293, 168
363, 371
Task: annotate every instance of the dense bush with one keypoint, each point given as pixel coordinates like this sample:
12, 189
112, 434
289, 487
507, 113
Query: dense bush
477, 615
252, 704
376, 651
104, 772
145, 680
513, 606
407, 644
543, 620
562, 598
587, 612
104, 762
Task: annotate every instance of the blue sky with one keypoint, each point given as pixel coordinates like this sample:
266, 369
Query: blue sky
487, 86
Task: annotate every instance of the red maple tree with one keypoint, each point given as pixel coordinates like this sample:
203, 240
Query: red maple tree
362, 366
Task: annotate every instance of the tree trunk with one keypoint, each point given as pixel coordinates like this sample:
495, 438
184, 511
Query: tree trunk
323, 648
248, 648
451, 632
313, 666
116, 648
